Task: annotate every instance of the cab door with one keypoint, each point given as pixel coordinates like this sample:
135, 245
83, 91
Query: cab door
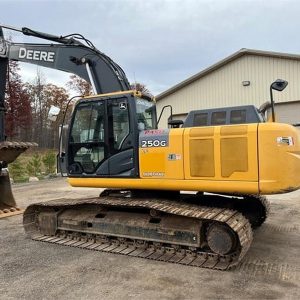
87, 149
101, 140
121, 156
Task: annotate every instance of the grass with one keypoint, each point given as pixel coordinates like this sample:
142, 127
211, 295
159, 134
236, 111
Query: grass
33, 163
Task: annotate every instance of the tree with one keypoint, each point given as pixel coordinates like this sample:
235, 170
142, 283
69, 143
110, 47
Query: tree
58, 97
49, 161
42, 95
79, 85
34, 165
35, 89
18, 115
17, 171
140, 87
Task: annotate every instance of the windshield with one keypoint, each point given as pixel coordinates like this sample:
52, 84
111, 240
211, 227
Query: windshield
146, 114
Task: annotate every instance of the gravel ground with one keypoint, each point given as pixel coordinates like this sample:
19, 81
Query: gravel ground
34, 270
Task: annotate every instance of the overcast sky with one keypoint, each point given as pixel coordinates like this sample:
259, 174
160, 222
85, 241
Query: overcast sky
160, 43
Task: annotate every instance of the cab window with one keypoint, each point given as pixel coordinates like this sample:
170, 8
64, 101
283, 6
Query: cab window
200, 119
238, 116
218, 118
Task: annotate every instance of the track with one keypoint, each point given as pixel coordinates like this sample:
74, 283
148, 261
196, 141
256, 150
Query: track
168, 252
255, 208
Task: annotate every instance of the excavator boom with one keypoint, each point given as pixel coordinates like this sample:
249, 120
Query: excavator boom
67, 54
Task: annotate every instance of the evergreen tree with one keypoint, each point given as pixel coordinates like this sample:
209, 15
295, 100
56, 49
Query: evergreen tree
17, 171
49, 161
34, 165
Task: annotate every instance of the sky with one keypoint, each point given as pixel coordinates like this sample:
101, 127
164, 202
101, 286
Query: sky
159, 43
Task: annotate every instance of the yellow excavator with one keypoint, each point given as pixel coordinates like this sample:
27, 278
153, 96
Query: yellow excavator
190, 194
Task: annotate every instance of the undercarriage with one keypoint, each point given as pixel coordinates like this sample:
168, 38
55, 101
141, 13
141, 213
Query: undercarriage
177, 229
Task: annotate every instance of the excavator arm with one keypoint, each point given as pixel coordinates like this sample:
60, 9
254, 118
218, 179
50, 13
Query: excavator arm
67, 53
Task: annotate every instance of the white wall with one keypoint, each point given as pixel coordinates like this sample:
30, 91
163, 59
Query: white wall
223, 87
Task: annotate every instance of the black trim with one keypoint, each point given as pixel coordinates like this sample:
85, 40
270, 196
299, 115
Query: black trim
130, 142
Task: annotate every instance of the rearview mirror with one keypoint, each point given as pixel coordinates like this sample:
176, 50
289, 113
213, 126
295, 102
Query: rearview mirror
53, 113
279, 85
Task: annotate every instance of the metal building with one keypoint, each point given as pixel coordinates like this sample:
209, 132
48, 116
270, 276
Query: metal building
240, 79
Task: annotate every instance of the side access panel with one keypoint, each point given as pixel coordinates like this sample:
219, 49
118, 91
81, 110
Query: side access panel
221, 153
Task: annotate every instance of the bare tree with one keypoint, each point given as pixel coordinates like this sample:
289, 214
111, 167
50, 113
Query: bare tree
58, 97
140, 87
18, 115
42, 96
79, 85
37, 98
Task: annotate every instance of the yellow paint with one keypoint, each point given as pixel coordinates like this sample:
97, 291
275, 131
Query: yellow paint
234, 159
202, 159
233, 145
156, 159
168, 184
234, 155
135, 93
279, 164
110, 94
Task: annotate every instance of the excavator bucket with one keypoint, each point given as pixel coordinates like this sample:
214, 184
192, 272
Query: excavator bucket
8, 205
9, 151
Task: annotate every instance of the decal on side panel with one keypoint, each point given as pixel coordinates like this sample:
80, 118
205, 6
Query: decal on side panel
154, 138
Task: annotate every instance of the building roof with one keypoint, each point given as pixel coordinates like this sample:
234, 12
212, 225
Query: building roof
223, 62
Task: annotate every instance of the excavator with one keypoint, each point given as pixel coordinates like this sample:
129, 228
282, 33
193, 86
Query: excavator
190, 194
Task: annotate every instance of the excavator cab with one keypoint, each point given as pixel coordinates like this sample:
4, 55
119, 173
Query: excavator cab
104, 132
